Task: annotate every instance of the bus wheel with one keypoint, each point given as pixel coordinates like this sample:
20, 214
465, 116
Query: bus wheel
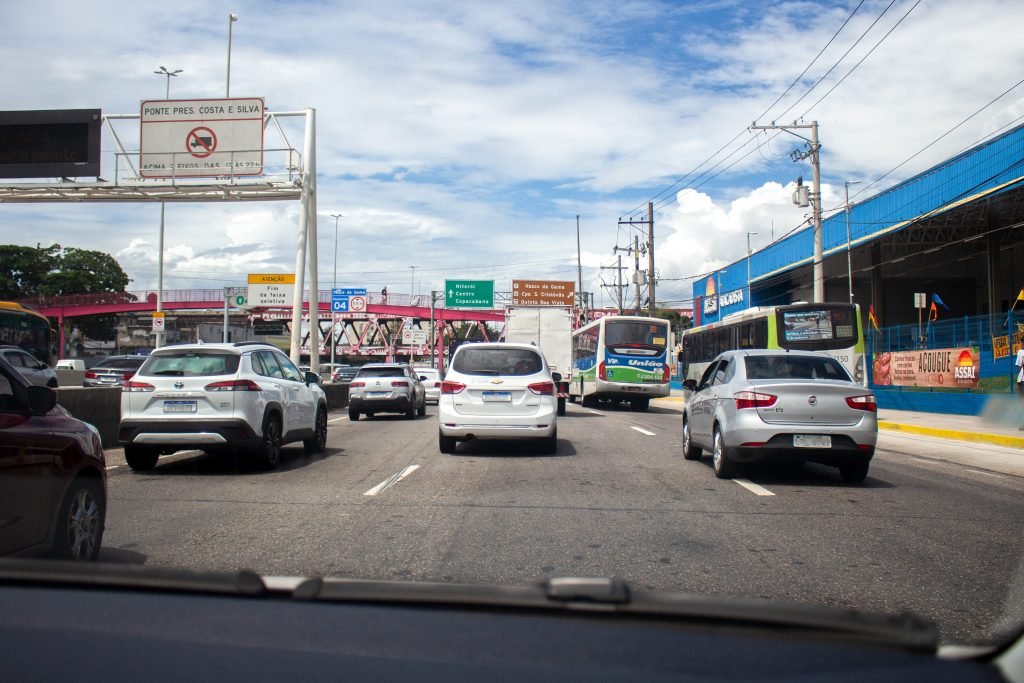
640, 404
588, 401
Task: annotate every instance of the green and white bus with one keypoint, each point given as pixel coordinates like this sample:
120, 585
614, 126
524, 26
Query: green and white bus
832, 328
621, 357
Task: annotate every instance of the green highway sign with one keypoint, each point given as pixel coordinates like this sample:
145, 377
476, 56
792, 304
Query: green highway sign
469, 293
240, 300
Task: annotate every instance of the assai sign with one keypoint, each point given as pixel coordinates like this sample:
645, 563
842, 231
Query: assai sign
274, 290
957, 368
197, 138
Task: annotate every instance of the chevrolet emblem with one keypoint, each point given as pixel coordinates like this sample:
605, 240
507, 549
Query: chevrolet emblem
497, 381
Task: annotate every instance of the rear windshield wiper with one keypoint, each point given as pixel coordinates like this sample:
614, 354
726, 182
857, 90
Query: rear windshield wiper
483, 372
170, 373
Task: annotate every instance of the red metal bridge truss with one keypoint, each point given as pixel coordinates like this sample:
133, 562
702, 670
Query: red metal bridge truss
377, 331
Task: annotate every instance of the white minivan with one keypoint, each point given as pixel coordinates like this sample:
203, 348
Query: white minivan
498, 390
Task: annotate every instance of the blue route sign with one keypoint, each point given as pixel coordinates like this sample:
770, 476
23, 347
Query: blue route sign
339, 304
340, 297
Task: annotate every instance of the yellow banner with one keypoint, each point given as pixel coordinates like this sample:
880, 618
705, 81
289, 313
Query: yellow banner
271, 278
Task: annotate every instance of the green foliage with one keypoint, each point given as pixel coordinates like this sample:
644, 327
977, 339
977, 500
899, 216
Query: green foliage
48, 271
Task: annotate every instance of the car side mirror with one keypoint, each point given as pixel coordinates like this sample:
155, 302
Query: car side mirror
312, 378
690, 384
42, 366
556, 376
41, 400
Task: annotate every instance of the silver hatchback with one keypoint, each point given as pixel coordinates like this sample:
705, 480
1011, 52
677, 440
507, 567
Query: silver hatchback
776, 406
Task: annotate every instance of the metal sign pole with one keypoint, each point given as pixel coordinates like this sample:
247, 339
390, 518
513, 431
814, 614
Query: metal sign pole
300, 242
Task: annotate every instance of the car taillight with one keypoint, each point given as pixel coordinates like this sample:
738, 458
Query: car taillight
400, 383
666, 374
451, 387
866, 402
753, 399
542, 388
437, 384
127, 375
92, 375
132, 387
602, 374
354, 385
234, 385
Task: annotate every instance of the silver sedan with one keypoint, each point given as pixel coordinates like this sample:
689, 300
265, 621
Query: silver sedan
776, 406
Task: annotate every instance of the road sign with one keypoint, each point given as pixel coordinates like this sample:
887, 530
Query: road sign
271, 289
469, 293
920, 300
158, 321
240, 300
339, 304
196, 138
348, 291
357, 303
543, 292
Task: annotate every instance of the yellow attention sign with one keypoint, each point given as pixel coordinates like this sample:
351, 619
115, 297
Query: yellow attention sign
274, 290
271, 278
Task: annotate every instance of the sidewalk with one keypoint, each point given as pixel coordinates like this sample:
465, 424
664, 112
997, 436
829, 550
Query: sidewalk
960, 427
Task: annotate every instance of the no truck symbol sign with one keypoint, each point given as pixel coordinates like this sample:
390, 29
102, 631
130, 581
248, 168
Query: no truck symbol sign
201, 142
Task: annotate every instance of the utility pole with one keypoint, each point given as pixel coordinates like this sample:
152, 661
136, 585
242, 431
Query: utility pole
750, 302
812, 151
617, 287
636, 269
579, 260
649, 222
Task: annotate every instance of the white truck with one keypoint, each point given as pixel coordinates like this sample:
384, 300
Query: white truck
550, 329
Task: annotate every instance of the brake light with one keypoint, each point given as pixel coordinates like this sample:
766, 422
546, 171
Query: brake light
234, 385
354, 385
666, 374
451, 387
437, 384
128, 375
602, 373
542, 388
92, 375
753, 399
400, 383
866, 402
132, 387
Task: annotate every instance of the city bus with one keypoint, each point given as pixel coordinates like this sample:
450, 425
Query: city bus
621, 358
832, 328
24, 327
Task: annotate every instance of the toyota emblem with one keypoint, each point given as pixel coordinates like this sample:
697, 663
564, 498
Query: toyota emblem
813, 400
179, 385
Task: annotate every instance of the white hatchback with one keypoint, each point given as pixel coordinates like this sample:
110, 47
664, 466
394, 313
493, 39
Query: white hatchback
246, 395
498, 390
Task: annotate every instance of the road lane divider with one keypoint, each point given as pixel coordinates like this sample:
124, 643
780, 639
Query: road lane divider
756, 489
392, 480
337, 419
642, 431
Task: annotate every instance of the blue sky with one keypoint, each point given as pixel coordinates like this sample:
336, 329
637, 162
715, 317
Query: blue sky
464, 139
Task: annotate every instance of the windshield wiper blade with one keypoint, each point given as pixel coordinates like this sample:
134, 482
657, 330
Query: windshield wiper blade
170, 373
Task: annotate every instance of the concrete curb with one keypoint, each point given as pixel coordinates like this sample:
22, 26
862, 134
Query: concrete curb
960, 435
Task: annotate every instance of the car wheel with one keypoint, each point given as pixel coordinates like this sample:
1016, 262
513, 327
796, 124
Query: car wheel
572, 398
549, 445
410, 412
854, 472
80, 526
52, 384
141, 458
723, 467
588, 401
422, 410
561, 406
353, 415
270, 444
446, 444
640, 404
690, 451
318, 444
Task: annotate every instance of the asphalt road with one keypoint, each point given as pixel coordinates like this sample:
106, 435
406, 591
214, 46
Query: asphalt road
924, 533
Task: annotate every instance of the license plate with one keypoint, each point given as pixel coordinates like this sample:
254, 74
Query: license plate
812, 441
108, 380
634, 388
376, 394
497, 395
179, 406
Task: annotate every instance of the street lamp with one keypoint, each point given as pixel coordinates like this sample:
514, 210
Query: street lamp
232, 18
159, 341
334, 285
749, 298
849, 261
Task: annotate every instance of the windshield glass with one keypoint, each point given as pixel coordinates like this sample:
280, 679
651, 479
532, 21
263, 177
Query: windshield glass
573, 212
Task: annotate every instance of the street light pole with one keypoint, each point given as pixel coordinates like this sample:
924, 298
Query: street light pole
749, 299
232, 18
849, 260
334, 285
160, 336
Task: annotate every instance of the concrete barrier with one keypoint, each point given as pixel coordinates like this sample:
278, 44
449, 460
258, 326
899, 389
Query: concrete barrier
99, 406
337, 394
70, 378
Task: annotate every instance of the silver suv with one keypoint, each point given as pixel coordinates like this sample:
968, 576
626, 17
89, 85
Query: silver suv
243, 396
386, 388
30, 367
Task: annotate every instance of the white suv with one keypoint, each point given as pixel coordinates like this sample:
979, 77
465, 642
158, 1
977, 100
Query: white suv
498, 390
243, 396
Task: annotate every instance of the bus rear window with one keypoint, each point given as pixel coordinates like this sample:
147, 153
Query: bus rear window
640, 335
817, 328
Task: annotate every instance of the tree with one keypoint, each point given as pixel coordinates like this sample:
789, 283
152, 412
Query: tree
48, 271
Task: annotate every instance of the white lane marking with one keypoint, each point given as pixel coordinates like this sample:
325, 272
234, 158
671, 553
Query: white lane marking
595, 412
337, 419
391, 481
642, 431
113, 467
753, 488
989, 474
926, 462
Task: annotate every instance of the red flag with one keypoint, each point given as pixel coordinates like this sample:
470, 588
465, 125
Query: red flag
933, 314
872, 318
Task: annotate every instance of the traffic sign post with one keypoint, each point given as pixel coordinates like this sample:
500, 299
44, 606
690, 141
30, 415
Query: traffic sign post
543, 293
346, 299
158, 321
469, 293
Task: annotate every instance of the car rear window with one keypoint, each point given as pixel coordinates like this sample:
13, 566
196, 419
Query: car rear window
191, 364
493, 361
794, 367
120, 363
381, 372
